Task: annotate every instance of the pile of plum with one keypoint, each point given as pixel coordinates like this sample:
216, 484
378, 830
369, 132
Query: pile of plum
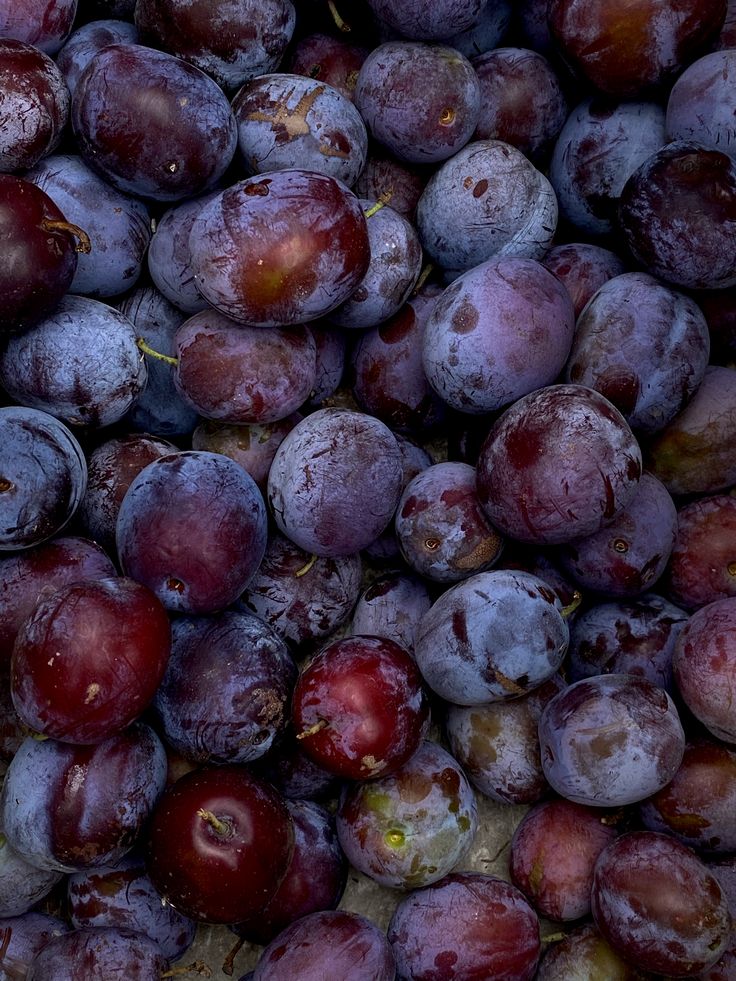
367, 453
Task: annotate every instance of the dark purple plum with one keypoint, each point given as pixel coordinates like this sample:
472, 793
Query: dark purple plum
43, 476
400, 182
234, 373
81, 363
32, 575
22, 938
169, 255
327, 59
192, 526
294, 774
35, 106
659, 906
45, 25
582, 268
469, 925
231, 42
68, 808
497, 744
170, 136
410, 828
331, 344
499, 331
629, 555
112, 466
335, 482
251, 446
329, 942
159, 409
698, 806
225, 695
392, 607
86, 40
559, 464
582, 955
553, 852
442, 530
303, 597
522, 100
601, 144
704, 663
314, 881
494, 636
22, 885
87, 954
610, 740
487, 200
625, 46
122, 896
488, 31
287, 121
395, 265
702, 566
700, 103
627, 637
425, 21
677, 214
692, 455
421, 101
644, 346
280, 248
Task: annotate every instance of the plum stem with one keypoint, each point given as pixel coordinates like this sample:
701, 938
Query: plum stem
305, 568
382, 201
52, 225
577, 599
339, 22
313, 730
553, 938
227, 964
198, 967
219, 826
423, 277
155, 354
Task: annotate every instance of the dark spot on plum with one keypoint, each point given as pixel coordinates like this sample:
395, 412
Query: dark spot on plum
465, 318
413, 505
259, 189
452, 497
460, 626
620, 387
480, 188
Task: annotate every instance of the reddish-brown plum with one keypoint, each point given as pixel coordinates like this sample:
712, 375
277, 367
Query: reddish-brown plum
582, 268
327, 59
702, 566
45, 25
251, 446
219, 843
359, 707
583, 955
385, 176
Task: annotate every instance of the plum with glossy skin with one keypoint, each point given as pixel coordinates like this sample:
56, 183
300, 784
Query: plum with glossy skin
410, 828
86, 40
702, 566
230, 41
553, 852
487, 200
392, 607
29, 576
168, 137
625, 47
677, 213
68, 808
469, 925
659, 906
442, 530
234, 373
421, 101
644, 346
499, 331
192, 526
610, 740
629, 555
704, 663
43, 476
600, 145
41, 253
286, 121
328, 943
45, 25
89, 658
692, 455
104, 952
302, 596
253, 446
112, 466
80, 363
280, 248
335, 482
558, 465
359, 707
582, 268
122, 896
494, 636
35, 105
238, 838
225, 695
522, 100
